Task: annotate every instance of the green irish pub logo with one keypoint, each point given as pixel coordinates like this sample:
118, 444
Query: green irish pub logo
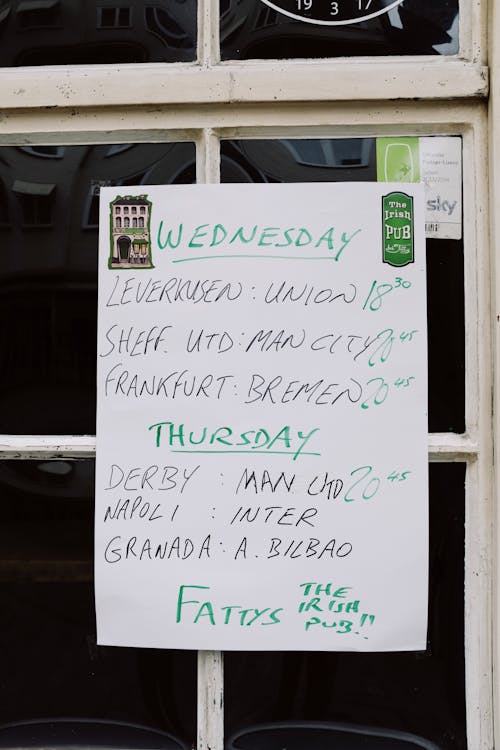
130, 241
397, 229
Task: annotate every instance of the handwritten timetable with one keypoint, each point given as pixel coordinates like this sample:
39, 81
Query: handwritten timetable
261, 477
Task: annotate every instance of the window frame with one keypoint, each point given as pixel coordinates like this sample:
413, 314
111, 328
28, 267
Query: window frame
334, 98
210, 81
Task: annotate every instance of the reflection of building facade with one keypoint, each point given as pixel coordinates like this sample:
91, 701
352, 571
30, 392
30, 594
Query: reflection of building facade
254, 30
65, 32
130, 241
49, 213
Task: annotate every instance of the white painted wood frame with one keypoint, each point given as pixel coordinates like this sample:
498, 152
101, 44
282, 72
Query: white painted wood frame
209, 101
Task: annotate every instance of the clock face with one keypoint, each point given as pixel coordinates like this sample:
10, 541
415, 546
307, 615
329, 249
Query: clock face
332, 12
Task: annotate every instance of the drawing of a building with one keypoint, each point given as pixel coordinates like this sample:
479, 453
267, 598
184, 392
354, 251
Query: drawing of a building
130, 239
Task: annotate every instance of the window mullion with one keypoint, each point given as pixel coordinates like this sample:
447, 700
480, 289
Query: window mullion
208, 157
210, 663
210, 700
208, 32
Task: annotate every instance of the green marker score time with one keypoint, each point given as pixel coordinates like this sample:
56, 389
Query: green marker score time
332, 12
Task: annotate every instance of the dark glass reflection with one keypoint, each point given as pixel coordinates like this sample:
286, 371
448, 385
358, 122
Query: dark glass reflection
49, 200
252, 29
51, 665
421, 693
71, 32
353, 160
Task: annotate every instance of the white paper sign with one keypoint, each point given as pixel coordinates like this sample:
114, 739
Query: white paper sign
261, 478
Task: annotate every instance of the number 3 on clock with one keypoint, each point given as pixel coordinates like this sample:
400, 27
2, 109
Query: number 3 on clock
334, 9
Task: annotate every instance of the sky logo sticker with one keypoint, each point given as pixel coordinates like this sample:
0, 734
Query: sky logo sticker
397, 229
442, 205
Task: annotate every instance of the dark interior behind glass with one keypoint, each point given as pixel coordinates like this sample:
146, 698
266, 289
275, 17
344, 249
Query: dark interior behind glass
270, 29
421, 693
51, 665
72, 32
49, 212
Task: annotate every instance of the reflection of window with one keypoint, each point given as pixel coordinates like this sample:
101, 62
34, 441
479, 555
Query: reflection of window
36, 200
38, 13
141, 221
118, 209
134, 209
5, 9
134, 222
343, 152
143, 209
118, 148
4, 210
92, 212
125, 209
118, 222
36, 209
113, 18
126, 222
135, 179
267, 17
47, 152
159, 22
225, 6
96, 185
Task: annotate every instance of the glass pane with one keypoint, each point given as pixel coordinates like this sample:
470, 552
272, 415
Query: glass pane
354, 159
49, 197
71, 32
51, 665
360, 696
267, 29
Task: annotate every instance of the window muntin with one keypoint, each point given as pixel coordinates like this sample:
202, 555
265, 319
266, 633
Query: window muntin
48, 276
272, 29
65, 32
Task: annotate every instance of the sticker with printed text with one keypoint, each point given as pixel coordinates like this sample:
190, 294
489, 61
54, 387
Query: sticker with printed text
437, 162
397, 229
